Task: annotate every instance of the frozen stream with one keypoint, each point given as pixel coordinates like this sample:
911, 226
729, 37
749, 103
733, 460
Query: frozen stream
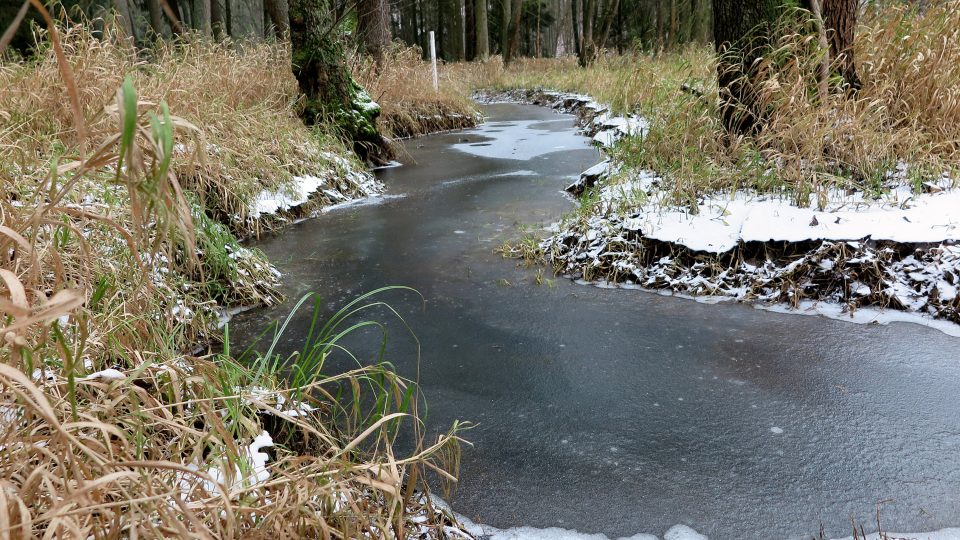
623, 412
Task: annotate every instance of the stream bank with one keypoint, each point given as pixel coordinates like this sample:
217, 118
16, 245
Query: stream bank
612, 411
862, 257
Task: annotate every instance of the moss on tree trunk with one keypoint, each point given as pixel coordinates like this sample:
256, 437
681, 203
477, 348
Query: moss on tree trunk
330, 93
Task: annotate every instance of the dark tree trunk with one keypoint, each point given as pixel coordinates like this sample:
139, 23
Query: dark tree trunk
840, 19
469, 30
742, 30
317, 59
587, 46
201, 16
279, 12
612, 8
218, 18
156, 18
456, 29
575, 12
513, 41
373, 23
483, 38
700, 29
505, 26
440, 37
330, 93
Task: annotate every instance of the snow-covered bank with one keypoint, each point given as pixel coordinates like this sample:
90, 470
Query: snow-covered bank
594, 118
897, 250
463, 527
343, 182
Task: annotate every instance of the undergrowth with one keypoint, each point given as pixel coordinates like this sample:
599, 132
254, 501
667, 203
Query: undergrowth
812, 147
239, 133
114, 256
403, 86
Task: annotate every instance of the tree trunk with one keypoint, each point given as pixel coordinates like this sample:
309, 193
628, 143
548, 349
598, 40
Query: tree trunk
246, 19
201, 16
612, 7
823, 77
218, 18
742, 30
317, 60
587, 46
126, 21
673, 24
279, 12
575, 12
700, 30
156, 18
505, 26
840, 18
536, 44
331, 94
469, 30
373, 24
456, 29
516, 12
483, 44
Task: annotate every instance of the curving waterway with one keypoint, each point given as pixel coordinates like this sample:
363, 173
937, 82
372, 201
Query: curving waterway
619, 411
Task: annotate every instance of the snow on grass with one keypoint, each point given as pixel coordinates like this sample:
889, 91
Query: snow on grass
942, 534
721, 222
106, 375
850, 251
342, 183
254, 472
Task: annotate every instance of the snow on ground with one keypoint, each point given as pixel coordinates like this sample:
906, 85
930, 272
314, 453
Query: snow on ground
677, 532
835, 257
344, 182
721, 222
943, 534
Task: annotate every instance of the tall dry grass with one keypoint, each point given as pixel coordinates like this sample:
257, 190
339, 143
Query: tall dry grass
812, 145
403, 86
251, 137
108, 429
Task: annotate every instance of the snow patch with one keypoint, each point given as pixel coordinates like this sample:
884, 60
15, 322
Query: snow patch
106, 375
720, 223
342, 182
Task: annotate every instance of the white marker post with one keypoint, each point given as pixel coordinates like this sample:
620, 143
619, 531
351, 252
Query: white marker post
433, 60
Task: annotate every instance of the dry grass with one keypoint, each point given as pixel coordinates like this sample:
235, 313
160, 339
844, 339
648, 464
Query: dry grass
907, 111
404, 89
110, 261
251, 138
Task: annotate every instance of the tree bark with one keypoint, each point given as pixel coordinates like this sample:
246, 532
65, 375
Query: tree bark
516, 12
587, 46
612, 8
840, 18
317, 60
483, 43
373, 23
458, 38
742, 30
279, 12
823, 77
700, 29
331, 94
218, 18
201, 16
156, 18
505, 26
126, 20
575, 12
469, 30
